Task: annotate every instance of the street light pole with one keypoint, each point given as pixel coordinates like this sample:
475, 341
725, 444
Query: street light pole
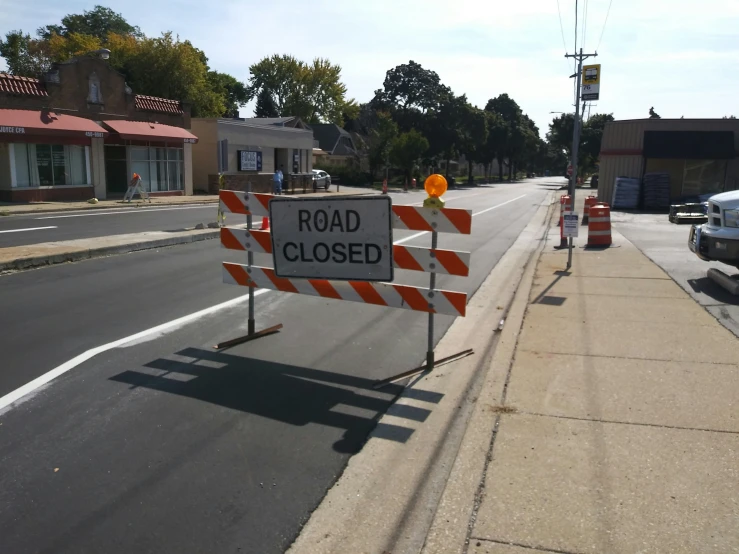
575, 139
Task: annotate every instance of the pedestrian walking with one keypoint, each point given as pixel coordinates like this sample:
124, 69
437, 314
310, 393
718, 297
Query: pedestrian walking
277, 181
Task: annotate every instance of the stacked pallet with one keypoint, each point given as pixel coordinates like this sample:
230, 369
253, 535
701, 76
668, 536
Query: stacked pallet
626, 194
657, 191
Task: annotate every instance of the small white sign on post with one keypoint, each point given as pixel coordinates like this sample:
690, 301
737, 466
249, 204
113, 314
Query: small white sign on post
348, 238
570, 225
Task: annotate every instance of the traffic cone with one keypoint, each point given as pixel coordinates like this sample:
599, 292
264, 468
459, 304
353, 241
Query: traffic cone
384, 186
265, 224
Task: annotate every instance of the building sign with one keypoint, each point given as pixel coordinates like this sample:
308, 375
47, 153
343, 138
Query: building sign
570, 225
13, 130
94, 134
591, 82
249, 160
339, 238
191, 141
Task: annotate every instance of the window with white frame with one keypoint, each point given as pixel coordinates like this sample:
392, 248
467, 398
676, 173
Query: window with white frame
48, 165
161, 169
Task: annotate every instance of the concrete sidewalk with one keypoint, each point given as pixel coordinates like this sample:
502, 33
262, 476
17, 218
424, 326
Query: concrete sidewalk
9, 208
612, 426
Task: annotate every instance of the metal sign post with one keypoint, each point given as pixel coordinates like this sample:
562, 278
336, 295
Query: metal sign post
252, 333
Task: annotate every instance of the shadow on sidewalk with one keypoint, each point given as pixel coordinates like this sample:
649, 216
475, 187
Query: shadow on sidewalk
290, 394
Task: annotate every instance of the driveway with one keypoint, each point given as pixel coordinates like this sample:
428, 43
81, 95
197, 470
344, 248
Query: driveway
666, 244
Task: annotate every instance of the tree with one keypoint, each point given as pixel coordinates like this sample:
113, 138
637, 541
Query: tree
407, 150
560, 133
474, 134
25, 56
591, 139
312, 92
447, 128
510, 113
266, 106
97, 22
168, 67
653, 114
412, 95
380, 142
232, 90
495, 141
62, 48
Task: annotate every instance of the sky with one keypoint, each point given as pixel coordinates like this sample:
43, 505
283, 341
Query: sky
679, 56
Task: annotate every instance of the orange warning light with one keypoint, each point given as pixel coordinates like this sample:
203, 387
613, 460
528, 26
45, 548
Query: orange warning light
435, 185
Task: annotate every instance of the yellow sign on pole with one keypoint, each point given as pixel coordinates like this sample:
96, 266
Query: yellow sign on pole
591, 82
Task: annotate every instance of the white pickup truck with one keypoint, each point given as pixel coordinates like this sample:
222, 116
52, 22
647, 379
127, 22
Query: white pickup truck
718, 239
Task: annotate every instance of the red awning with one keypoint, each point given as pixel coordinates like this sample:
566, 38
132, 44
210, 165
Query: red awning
20, 123
144, 130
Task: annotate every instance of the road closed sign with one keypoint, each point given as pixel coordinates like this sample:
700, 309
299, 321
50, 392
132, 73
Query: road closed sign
348, 238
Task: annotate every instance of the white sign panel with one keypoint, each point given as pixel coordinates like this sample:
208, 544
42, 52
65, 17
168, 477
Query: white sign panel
570, 225
348, 238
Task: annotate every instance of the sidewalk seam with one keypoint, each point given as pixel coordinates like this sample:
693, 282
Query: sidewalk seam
528, 547
620, 357
635, 423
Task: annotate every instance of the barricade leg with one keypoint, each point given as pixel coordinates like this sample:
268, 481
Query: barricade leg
252, 333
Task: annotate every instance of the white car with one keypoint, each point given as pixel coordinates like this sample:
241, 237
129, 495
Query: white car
719, 238
321, 179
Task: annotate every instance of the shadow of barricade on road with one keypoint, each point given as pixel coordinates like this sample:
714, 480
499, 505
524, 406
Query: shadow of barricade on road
290, 394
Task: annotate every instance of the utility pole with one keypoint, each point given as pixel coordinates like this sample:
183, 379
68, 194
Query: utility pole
576, 137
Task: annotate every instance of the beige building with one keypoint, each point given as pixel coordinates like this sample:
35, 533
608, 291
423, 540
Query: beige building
700, 155
249, 150
80, 132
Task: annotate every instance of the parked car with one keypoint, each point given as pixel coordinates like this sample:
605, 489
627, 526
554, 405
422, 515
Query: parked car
718, 239
321, 179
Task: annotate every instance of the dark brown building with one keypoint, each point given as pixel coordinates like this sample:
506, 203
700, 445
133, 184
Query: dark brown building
81, 132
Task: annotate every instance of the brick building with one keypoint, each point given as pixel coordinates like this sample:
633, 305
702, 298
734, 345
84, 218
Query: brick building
81, 132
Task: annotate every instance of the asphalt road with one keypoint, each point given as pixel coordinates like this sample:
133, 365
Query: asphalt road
21, 230
162, 444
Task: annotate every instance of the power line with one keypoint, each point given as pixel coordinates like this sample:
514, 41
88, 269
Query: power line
604, 25
561, 28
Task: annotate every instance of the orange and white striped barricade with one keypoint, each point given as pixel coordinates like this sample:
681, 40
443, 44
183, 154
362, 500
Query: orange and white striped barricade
249, 204
389, 294
599, 225
590, 201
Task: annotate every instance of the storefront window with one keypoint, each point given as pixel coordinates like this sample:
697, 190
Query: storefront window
161, 169
47, 165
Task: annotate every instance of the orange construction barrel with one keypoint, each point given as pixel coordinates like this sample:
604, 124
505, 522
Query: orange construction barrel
599, 225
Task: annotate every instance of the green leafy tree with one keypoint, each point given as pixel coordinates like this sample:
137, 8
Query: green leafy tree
265, 106
494, 144
407, 150
168, 67
380, 140
591, 139
510, 112
473, 136
25, 56
97, 22
231, 89
314, 92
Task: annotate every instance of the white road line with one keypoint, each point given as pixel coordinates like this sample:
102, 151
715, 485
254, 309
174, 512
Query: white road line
28, 229
132, 211
406, 239
42, 380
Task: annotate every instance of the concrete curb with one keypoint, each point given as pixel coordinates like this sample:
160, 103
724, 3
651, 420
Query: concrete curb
86, 254
118, 205
455, 513
387, 497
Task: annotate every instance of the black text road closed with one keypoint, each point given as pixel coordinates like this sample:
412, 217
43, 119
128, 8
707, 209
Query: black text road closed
333, 238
